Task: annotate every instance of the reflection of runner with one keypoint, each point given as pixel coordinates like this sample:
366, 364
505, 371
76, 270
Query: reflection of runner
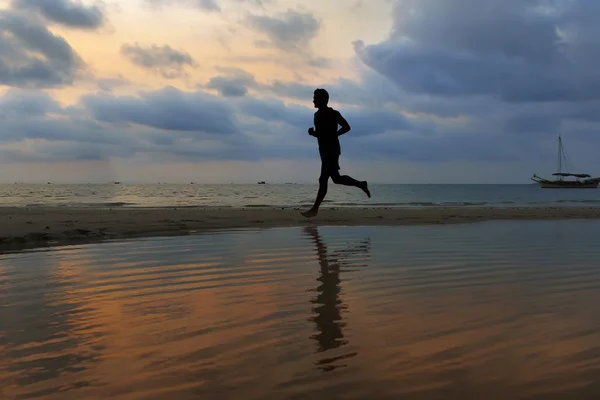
326, 123
328, 304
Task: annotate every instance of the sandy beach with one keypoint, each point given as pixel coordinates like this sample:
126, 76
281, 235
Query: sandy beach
22, 228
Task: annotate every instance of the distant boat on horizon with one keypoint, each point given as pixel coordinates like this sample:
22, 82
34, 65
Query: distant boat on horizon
582, 181
262, 183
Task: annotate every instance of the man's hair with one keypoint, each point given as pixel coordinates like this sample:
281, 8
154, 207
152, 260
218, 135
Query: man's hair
322, 93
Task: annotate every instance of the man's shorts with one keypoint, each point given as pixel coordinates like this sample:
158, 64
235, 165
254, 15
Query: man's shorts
330, 166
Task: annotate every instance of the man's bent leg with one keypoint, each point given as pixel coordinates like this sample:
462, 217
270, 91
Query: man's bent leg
349, 181
344, 180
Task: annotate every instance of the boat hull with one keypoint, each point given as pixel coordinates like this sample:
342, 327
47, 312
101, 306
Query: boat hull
569, 185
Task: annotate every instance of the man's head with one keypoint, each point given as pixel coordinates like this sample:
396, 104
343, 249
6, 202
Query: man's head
320, 98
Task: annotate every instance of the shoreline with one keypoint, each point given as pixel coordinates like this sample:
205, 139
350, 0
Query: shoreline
29, 228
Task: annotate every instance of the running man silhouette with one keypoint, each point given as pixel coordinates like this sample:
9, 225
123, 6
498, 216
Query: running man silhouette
326, 123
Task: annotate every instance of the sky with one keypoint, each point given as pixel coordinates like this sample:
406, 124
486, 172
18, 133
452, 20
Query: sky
436, 91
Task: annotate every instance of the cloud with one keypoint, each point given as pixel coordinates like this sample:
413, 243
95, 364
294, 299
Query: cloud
210, 5
110, 83
167, 123
492, 81
32, 56
167, 109
228, 87
24, 103
364, 121
170, 125
71, 13
515, 51
15, 128
291, 33
168, 62
204, 5
273, 110
234, 82
80, 151
36, 128
287, 31
371, 90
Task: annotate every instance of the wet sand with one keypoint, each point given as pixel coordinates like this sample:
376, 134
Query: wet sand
22, 228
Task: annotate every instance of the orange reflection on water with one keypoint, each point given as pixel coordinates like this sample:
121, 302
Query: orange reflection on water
317, 320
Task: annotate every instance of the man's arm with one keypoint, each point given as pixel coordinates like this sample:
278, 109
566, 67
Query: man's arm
345, 126
311, 130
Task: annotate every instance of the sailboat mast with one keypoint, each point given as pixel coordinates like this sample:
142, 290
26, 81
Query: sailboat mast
559, 154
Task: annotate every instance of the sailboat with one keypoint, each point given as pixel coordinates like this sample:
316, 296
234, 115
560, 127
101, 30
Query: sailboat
581, 181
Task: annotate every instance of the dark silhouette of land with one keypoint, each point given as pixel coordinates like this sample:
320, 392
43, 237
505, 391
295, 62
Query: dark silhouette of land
326, 131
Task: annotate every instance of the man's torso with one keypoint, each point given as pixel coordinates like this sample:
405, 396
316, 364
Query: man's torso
326, 125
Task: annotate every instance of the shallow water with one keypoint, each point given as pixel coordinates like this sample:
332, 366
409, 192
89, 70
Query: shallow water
498, 310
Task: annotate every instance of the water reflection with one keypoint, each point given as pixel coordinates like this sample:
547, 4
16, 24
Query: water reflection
448, 312
328, 304
51, 335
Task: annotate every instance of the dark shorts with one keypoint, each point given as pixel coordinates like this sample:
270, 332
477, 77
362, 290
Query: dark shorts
330, 166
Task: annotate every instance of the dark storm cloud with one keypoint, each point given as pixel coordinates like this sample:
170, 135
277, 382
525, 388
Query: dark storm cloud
71, 13
165, 60
288, 31
32, 56
517, 51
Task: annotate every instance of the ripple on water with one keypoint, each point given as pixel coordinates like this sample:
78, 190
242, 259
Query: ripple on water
494, 310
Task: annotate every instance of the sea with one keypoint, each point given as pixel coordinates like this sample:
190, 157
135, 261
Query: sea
290, 195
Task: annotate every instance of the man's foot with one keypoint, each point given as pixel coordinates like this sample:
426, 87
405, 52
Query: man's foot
310, 213
365, 188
